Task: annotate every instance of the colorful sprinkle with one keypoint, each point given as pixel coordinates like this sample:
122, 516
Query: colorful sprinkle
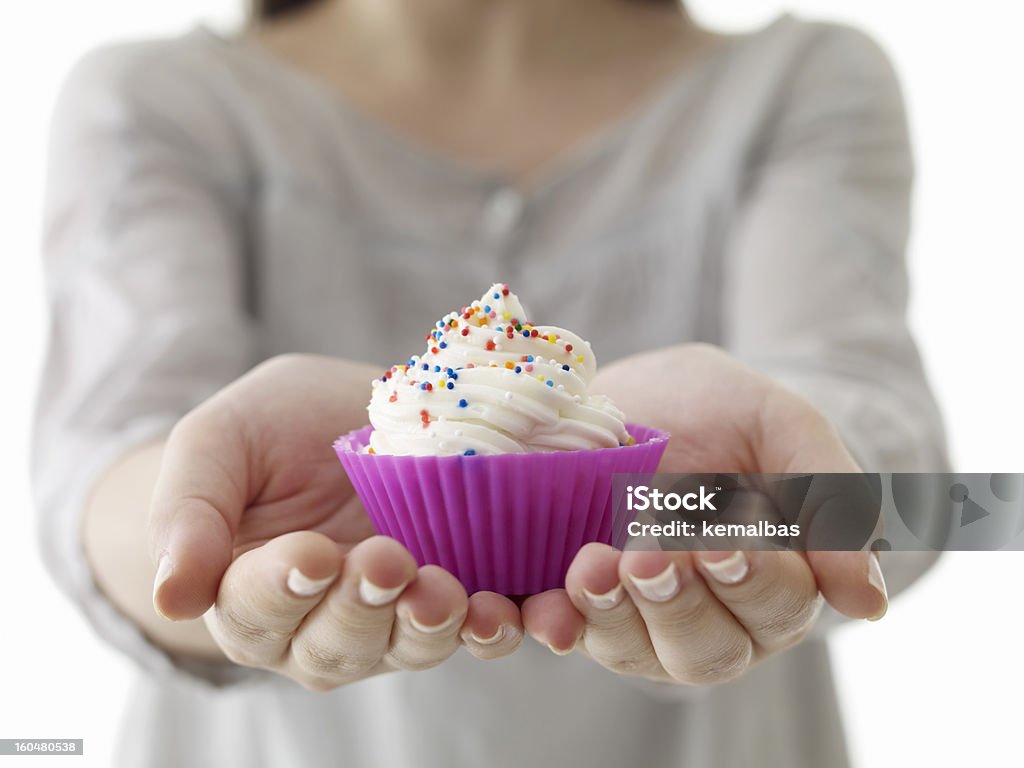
469, 452
463, 403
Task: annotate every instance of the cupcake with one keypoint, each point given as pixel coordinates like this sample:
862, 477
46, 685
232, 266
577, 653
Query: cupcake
487, 455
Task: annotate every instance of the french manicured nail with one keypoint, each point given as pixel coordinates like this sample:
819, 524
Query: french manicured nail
726, 567
374, 595
495, 638
561, 651
432, 629
876, 580
300, 584
658, 588
606, 600
164, 569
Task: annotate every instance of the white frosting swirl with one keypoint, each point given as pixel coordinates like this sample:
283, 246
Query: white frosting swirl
491, 382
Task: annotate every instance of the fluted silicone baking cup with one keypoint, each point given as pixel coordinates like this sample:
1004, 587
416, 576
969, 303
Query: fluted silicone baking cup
508, 523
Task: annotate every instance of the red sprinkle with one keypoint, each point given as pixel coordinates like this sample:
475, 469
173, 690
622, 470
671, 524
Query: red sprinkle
393, 398
533, 333
434, 350
425, 418
490, 345
568, 347
465, 331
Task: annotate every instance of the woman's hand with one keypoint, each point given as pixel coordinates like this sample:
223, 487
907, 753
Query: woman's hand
254, 517
706, 617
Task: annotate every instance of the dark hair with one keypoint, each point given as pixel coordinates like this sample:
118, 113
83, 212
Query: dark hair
266, 9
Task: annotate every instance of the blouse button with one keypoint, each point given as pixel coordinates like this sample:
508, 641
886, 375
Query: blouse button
502, 212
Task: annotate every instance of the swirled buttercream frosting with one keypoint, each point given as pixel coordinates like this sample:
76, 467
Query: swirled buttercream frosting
492, 382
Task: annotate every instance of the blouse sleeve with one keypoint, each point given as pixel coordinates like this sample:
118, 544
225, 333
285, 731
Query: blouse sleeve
815, 274
144, 270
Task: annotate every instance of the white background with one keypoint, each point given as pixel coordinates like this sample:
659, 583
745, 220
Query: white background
936, 682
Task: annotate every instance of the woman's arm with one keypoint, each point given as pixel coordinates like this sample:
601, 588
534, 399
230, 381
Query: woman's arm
145, 271
816, 285
156, 444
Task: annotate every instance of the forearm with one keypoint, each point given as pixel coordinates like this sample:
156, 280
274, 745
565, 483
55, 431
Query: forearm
116, 544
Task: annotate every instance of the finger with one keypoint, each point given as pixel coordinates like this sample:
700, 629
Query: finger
772, 594
851, 582
429, 617
347, 634
198, 499
553, 620
267, 592
792, 436
697, 640
615, 635
493, 627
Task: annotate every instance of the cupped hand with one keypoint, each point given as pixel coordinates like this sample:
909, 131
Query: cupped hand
254, 517
706, 617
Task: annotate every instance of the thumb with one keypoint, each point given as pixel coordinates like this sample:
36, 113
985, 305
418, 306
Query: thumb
197, 503
852, 582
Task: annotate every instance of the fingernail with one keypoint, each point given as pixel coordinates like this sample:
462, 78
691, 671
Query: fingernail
496, 637
301, 585
432, 629
164, 569
561, 651
728, 568
604, 601
371, 594
658, 588
876, 580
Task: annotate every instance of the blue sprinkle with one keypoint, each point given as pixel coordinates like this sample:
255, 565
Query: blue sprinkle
440, 324
455, 376
437, 369
426, 367
497, 296
449, 371
526, 334
450, 385
550, 383
423, 385
487, 309
518, 369
383, 378
463, 403
443, 345
565, 367
529, 358
469, 452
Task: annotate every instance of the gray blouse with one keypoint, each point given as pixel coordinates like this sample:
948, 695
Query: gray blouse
209, 206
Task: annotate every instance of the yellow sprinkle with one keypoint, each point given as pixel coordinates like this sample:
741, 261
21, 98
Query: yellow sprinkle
371, 451
551, 338
579, 359
541, 377
510, 365
506, 315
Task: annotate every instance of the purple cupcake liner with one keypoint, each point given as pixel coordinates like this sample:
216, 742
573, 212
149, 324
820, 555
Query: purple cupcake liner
510, 523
